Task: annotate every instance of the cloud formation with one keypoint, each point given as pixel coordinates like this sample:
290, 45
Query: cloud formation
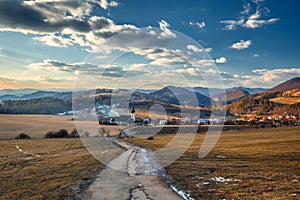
221, 60
67, 23
241, 45
197, 49
249, 19
198, 24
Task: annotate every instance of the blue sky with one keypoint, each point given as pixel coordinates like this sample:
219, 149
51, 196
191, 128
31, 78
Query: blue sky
50, 44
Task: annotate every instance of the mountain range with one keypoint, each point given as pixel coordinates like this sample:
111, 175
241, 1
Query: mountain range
171, 94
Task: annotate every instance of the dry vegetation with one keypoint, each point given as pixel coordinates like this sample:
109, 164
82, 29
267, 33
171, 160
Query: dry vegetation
286, 100
36, 126
262, 164
46, 169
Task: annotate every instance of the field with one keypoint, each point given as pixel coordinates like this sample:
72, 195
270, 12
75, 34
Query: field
286, 100
245, 164
36, 126
45, 169
253, 164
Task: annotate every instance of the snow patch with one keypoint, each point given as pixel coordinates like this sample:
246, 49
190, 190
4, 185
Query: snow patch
223, 180
181, 193
25, 152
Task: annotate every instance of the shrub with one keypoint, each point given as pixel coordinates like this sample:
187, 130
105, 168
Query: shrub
62, 133
150, 138
74, 134
23, 136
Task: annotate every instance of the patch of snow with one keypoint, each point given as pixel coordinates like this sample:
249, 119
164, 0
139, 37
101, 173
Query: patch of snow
224, 157
295, 180
223, 180
105, 151
25, 152
184, 195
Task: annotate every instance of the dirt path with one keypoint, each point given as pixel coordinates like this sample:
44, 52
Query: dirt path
137, 178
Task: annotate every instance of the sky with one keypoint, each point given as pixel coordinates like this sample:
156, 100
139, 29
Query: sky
62, 44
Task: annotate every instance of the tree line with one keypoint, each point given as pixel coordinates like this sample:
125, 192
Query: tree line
46, 105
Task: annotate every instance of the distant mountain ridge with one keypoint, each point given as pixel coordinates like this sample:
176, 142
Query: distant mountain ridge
180, 96
37, 95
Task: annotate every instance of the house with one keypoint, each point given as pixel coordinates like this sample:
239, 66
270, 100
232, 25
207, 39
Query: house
162, 122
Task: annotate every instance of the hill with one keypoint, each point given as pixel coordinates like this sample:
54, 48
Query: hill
179, 96
39, 94
286, 86
8, 97
232, 95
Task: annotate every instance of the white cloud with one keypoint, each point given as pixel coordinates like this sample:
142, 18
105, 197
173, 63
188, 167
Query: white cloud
198, 24
197, 49
221, 60
232, 24
241, 45
105, 4
137, 67
54, 40
58, 66
166, 32
254, 22
249, 20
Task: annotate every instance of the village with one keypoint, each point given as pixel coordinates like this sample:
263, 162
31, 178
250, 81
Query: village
107, 116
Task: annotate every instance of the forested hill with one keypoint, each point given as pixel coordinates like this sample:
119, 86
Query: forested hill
46, 105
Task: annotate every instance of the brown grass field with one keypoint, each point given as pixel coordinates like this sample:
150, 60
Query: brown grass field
36, 126
261, 163
265, 162
63, 169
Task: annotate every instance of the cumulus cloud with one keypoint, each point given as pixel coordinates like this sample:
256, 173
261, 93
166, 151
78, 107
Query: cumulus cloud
274, 75
221, 60
167, 57
241, 45
166, 32
58, 66
105, 4
89, 69
250, 18
198, 24
197, 49
65, 23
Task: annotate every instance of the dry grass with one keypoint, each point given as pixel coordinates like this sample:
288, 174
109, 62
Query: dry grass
265, 162
36, 126
63, 169
286, 100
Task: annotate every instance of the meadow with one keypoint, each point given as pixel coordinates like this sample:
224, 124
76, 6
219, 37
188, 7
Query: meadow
248, 164
245, 164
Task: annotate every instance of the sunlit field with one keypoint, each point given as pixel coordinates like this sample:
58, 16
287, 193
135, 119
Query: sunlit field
253, 164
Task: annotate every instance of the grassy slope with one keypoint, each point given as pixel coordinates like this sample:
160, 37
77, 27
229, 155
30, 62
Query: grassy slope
266, 161
286, 100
